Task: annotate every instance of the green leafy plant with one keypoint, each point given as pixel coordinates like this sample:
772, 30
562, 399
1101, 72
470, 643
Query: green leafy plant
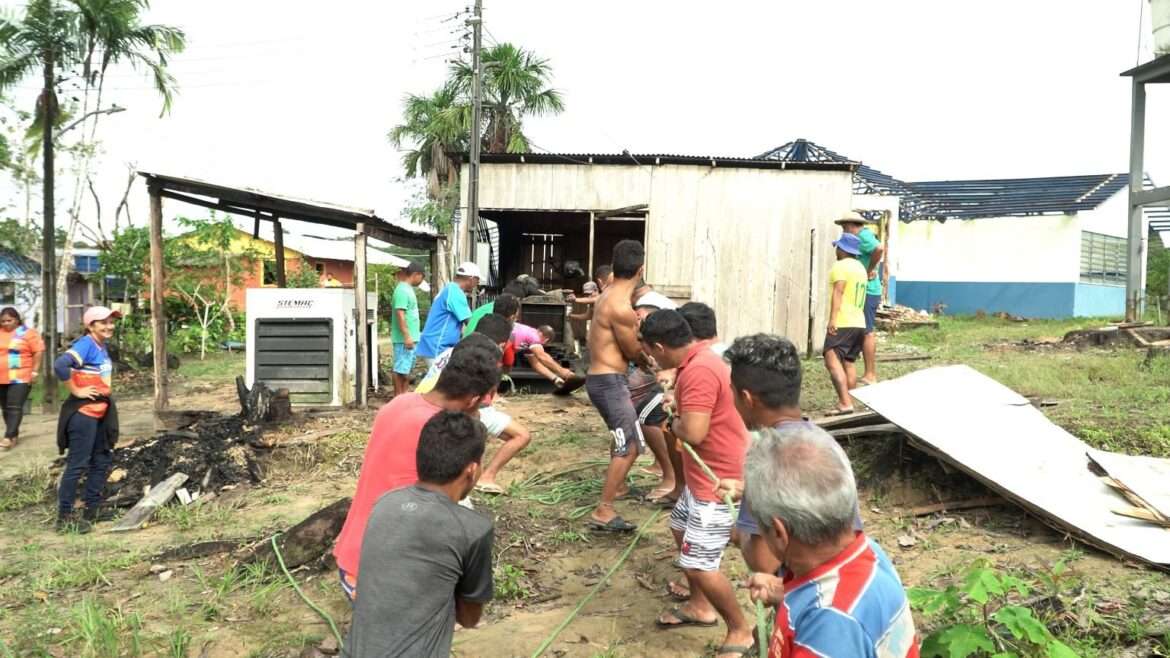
510, 583
983, 616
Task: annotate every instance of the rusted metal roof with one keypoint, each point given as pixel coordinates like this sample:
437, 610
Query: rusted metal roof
658, 159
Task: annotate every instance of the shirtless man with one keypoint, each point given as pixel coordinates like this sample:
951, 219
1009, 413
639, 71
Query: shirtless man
613, 344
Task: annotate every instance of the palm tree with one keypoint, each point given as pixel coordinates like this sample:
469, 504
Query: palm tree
54, 39
433, 127
515, 85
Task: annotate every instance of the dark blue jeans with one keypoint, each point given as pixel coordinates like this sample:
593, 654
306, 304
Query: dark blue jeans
86, 454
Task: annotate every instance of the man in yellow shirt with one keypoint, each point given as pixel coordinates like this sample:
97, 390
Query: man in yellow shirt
846, 333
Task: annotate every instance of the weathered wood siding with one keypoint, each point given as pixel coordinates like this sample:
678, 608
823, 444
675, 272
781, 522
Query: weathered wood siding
735, 238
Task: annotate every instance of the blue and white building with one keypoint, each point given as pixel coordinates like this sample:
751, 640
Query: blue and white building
1051, 247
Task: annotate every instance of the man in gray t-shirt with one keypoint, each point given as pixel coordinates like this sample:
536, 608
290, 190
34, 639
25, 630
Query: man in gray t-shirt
426, 561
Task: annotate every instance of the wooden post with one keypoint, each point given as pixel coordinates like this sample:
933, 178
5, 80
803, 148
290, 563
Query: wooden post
592, 219
278, 241
812, 289
361, 378
158, 309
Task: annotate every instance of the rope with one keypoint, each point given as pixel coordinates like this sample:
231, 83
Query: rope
625, 554
324, 615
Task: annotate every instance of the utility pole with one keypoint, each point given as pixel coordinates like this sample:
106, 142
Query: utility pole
48, 241
476, 23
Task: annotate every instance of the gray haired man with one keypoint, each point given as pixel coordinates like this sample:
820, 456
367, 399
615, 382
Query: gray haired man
801, 491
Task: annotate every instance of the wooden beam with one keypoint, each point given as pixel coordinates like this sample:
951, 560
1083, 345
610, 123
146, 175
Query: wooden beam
592, 222
158, 309
278, 242
361, 379
617, 212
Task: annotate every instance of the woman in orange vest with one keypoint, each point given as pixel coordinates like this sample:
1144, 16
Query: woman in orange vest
21, 348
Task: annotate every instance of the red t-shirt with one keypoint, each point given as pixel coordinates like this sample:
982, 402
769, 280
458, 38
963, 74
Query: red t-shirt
509, 358
389, 463
704, 385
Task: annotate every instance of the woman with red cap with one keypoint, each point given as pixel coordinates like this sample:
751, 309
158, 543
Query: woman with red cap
88, 424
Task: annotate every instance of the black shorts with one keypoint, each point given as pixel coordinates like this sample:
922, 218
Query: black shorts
610, 393
649, 408
846, 343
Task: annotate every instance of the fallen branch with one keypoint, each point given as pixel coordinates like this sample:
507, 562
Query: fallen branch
853, 432
988, 501
307, 540
311, 437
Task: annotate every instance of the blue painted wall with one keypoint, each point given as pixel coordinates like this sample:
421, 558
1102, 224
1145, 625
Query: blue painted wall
1030, 300
1096, 300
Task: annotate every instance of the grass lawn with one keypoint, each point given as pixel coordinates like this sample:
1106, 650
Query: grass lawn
96, 595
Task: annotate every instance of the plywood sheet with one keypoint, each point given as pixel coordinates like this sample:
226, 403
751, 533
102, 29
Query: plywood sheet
993, 434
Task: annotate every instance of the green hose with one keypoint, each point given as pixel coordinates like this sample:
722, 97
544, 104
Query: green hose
625, 554
324, 615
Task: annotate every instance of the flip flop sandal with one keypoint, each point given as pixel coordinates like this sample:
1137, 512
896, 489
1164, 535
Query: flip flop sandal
7, 443
616, 524
633, 493
839, 412
664, 502
737, 649
684, 620
489, 488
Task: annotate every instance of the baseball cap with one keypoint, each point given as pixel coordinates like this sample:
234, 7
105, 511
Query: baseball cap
849, 243
589, 287
853, 217
468, 269
657, 300
96, 313
413, 268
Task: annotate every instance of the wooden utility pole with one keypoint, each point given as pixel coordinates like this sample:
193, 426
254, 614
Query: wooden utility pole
158, 309
465, 244
360, 378
278, 243
48, 105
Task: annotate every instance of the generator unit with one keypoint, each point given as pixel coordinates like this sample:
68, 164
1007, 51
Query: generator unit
304, 340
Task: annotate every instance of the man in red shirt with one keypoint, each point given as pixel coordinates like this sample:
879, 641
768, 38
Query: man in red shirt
701, 522
467, 382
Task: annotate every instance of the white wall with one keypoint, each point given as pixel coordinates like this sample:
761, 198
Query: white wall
1042, 248
735, 238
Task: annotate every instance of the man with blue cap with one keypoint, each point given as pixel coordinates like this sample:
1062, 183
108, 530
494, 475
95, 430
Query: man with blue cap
846, 332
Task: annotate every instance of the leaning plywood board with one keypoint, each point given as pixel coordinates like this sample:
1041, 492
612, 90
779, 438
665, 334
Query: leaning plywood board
993, 434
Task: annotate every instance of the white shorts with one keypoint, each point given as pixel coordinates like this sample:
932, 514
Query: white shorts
706, 528
494, 420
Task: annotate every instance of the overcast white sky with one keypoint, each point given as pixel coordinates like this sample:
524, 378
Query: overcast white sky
296, 97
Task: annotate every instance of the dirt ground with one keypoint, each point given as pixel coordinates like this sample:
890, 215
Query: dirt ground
121, 594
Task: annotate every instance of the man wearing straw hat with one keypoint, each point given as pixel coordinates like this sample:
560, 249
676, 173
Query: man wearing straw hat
870, 257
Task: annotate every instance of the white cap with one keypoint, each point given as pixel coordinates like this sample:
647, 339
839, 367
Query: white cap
656, 299
468, 269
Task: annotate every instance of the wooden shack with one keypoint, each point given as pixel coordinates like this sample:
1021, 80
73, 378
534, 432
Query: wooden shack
750, 237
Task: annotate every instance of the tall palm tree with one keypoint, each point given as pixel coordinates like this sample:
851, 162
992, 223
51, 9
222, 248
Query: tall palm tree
515, 85
432, 127
55, 39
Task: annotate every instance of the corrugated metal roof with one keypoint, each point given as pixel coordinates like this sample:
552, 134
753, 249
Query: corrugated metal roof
655, 159
15, 266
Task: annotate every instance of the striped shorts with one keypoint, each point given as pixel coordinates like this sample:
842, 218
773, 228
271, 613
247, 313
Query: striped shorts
706, 528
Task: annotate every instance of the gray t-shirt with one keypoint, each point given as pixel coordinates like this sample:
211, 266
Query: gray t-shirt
419, 552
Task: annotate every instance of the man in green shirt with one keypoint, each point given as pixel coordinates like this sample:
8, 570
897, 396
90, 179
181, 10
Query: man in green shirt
404, 324
872, 251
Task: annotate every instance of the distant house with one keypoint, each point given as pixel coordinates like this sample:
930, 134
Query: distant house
1052, 247
20, 283
323, 255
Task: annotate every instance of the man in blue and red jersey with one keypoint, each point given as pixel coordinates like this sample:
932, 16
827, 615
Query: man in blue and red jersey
837, 595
